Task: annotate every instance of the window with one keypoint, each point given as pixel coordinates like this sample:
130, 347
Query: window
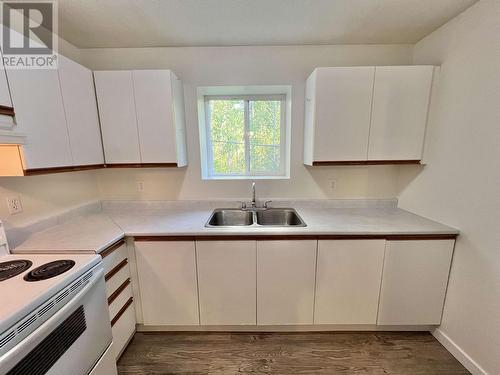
244, 135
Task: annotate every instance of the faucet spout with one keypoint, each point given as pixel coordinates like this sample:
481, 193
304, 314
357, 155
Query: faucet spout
254, 203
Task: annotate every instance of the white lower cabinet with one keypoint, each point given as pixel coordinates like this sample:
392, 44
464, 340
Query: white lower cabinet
414, 282
285, 282
289, 282
227, 282
167, 282
348, 280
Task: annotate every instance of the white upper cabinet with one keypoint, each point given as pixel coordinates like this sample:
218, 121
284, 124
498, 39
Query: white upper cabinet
56, 110
5, 100
77, 86
414, 282
36, 96
142, 116
159, 101
6, 110
399, 115
338, 105
357, 115
115, 95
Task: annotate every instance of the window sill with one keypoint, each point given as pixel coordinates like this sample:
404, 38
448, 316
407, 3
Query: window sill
246, 178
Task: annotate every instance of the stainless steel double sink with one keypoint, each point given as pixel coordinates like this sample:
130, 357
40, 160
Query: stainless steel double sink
233, 217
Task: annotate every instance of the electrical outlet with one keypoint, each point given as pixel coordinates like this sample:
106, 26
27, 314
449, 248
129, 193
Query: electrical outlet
140, 186
332, 185
14, 205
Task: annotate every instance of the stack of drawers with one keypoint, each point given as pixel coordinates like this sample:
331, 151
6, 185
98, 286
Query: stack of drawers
119, 294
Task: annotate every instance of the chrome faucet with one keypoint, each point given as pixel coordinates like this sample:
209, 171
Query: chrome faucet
254, 203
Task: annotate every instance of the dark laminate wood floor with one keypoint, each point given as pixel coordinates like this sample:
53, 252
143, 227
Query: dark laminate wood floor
288, 353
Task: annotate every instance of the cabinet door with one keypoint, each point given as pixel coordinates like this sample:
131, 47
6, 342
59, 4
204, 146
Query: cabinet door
348, 281
36, 95
227, 282
115, 95
342, 118
5, 99
167, 282
414, 282
179, 120
154, 105
285, 282
77, 86
309, 117
399, 114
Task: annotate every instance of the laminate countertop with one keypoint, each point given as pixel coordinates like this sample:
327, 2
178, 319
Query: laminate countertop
94, 232
89, 233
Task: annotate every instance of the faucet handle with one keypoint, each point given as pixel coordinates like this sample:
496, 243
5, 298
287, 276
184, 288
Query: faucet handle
243, 205
266, 204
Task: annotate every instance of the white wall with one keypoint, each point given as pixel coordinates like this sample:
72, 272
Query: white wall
205, 66
69, 50
46, 195
461, 184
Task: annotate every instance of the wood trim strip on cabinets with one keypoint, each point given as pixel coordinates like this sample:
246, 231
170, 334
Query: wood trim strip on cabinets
74, 168
116, 269
112, 248
122, 311
142, 165
118, 291
7, 111
390, 237
363, 162
423, 237
163, 238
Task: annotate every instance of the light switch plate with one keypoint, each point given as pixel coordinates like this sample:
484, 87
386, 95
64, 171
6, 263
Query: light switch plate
14, 205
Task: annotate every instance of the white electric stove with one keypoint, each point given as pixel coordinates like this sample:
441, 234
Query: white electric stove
53, 314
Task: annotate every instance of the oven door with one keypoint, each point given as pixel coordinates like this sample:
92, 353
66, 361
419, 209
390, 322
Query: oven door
71, 341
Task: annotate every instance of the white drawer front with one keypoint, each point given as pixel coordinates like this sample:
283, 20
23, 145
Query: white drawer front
114, 258
123, 330
120, 301
114, 282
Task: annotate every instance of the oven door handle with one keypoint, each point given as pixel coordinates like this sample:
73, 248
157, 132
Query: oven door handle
48, 326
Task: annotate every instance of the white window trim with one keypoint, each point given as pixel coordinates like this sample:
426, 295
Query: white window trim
246, 93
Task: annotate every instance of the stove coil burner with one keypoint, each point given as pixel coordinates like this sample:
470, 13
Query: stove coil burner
13, 268
48, 270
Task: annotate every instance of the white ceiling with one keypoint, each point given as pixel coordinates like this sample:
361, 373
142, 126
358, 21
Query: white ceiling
141, 23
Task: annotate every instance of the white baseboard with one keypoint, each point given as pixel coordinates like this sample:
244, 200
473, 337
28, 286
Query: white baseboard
458, 353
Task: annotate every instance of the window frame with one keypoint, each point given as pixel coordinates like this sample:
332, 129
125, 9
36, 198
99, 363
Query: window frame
247, 94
